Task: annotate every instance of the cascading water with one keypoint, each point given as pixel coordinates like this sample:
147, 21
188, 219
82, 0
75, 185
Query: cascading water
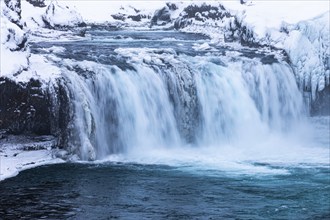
164, 100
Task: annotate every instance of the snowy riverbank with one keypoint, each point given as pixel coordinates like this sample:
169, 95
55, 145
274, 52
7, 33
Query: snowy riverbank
18, 153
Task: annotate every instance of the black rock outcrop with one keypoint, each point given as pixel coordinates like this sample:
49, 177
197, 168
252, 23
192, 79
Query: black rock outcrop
33, 108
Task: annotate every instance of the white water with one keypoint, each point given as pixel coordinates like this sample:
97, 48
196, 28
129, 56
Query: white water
189, 111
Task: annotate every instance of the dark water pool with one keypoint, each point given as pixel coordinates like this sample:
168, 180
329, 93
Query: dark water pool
130, 191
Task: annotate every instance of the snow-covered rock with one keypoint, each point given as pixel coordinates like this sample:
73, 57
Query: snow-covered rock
306, 42
12, 10
303, 35
307, 45
14, 51
205, 18
61, 16
164, 15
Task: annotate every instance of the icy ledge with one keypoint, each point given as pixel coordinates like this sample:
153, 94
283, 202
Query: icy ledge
18, 153
304, 37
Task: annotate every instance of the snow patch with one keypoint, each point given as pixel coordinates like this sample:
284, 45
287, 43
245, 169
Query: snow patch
18, 153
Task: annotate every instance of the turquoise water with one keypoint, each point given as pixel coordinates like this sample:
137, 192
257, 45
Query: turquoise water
133, 191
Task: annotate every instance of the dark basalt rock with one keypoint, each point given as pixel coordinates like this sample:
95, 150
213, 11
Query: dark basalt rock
37, 3
161, 17
321, 104
119, 16
200, 13
137, 17
124, 17
269, 59
171, 6
29, 108
24, 108
213, 12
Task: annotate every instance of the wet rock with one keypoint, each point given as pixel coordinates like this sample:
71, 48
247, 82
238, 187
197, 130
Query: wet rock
24, 107
34, 108
119, 16
321, 104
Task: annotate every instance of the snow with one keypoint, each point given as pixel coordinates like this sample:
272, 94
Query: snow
32, 16
264, 15
13, 161
58, 15
101, 11
13, 58
18, 153
308, 46
303, 35
13, 62
41, 68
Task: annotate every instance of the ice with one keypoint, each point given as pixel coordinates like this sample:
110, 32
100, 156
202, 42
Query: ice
18, 153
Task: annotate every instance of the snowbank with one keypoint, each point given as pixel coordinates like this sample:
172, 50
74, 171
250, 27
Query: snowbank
21, 153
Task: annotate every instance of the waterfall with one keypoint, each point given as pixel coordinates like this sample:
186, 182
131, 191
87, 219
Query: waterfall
160, 99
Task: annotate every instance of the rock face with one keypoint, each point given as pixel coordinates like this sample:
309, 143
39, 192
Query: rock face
200, 13
321, 104
24, 108
163, 15
29, 108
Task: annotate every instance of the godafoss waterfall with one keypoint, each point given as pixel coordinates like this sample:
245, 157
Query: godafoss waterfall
162, 124
177, 132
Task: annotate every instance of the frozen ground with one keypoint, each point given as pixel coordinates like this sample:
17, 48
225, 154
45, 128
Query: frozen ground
19, 153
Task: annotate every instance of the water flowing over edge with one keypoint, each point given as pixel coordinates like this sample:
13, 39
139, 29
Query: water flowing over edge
211, 112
